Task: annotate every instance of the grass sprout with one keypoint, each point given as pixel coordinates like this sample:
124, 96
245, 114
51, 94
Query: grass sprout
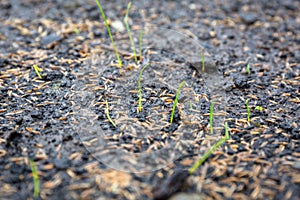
260, 108
176, 101
35, 176
140, 106
211, 117
210, 151
76, 30
141, 42
226, 131
248, 69
248, 110
37, 71
107, 114
129, 32
109, 32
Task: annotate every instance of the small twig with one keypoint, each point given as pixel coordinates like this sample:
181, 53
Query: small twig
121, 52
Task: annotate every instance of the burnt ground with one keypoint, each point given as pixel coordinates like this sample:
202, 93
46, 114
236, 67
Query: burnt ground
56, 120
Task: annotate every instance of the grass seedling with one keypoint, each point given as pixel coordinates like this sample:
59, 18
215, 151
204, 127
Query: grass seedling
76, 30
107, 114
141, 42
176, 101
248, 110
129, 32
140, 106
202, 60
191, 105
37, 71
260, 108
211, 117
36, 182
226, 131
248, 69
210, 151
109, 33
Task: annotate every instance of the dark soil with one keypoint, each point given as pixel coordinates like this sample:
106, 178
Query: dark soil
60, 121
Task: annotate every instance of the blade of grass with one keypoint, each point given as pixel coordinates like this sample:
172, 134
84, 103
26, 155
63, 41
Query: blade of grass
76, 30
129, 32
109, 33
107, 114
176, 101
260, 108
141, 42
248, 69
191, 105
37, 71
248, 110
35, 176
226, 131
211, 117
140, 106
210, 151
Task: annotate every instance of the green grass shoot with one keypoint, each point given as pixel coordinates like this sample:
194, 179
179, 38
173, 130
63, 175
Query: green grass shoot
107, 114
211, 117
202, 60
141, 42
76, 30
129, 32
37, 71
35, 176
210, 151
226, 131
248, 110
176, 101
140, 106
260, 108
191, 105
109, 32
248, 69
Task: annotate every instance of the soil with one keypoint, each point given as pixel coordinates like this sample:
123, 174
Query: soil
60, 121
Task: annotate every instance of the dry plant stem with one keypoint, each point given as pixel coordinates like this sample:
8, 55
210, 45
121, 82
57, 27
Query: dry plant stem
176, 101
109, 33
129, 32
36, 182
202, 60
121, 52
107, 114
210, 151
140, 106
